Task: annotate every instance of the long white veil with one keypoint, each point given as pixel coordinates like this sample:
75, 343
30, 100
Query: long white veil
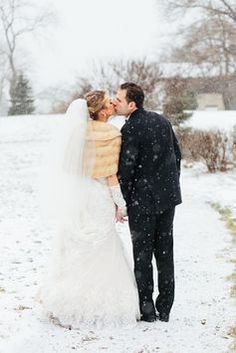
63, 184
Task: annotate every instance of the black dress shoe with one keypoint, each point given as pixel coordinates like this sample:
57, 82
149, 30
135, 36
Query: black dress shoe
163, 317
148, 318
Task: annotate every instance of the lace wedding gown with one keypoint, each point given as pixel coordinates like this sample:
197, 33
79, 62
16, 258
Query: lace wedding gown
89, 281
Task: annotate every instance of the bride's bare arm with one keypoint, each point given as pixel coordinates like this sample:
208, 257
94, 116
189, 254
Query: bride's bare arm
112, 180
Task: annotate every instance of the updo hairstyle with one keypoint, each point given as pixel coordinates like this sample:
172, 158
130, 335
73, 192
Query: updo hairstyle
96, 102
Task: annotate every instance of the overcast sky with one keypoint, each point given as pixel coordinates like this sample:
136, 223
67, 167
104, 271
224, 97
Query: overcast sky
94, 30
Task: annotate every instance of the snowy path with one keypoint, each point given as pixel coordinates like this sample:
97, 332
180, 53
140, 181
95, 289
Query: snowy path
203, 311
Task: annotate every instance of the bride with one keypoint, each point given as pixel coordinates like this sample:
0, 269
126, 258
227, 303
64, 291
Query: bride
88, 281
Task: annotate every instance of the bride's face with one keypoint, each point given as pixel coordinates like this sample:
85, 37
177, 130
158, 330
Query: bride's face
108, 109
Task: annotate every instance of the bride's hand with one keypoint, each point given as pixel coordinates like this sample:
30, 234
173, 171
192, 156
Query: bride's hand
119, 217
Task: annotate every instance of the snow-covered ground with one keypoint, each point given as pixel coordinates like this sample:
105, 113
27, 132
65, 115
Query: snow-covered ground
203, 311
222, 120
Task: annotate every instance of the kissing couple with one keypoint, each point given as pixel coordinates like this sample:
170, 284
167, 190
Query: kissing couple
103, 175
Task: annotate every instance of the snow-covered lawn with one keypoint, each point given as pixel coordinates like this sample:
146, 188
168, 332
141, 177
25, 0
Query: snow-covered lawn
203, 311
221, 119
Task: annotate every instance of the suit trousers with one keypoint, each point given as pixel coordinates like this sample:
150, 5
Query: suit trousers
153, 235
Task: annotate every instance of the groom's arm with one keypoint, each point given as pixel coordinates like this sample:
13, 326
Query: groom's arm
128, 163
177, 151
171, 135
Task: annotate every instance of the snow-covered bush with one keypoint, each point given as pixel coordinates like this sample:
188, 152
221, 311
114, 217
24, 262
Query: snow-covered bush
213, 148
233, 143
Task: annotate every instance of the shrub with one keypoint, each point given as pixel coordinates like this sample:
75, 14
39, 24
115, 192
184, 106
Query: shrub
233, 144
214, 148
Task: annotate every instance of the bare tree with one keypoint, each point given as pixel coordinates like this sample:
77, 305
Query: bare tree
209, 45
109, 76
142, 72
209, 40
18, 17
226, 8
3, 65
104, 77
80, 88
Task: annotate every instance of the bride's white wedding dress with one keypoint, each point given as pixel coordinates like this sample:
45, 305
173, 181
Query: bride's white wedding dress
89, 282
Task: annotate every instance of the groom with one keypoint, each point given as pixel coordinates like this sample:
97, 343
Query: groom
149, 170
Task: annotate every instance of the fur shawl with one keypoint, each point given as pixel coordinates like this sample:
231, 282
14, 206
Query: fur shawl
102, 149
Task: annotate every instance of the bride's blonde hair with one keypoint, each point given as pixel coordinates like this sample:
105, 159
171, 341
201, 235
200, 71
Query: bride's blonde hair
96, 102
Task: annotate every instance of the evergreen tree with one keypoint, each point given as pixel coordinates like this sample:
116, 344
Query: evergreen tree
178, 100
22, 101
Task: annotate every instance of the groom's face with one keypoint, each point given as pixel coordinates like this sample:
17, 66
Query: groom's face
122, 107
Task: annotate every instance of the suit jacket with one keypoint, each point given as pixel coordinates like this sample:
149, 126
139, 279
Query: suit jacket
149, 164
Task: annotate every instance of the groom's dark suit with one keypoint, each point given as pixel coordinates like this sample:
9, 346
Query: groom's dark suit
149, 169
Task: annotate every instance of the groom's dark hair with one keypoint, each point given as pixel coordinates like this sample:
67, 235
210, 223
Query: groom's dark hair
134, 93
